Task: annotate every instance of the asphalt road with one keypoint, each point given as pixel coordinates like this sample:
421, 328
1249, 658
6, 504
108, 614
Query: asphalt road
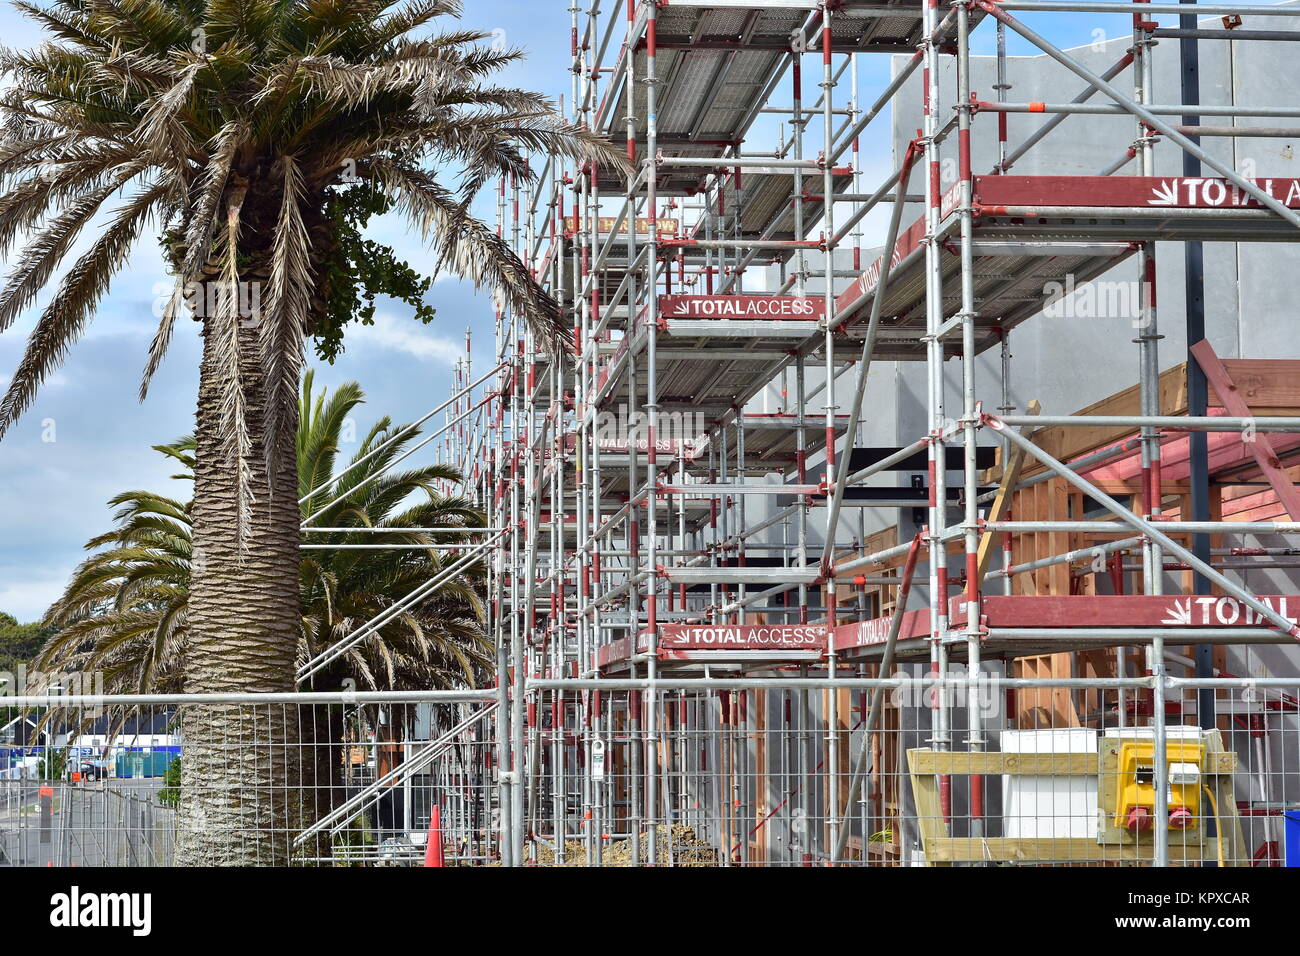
110, 823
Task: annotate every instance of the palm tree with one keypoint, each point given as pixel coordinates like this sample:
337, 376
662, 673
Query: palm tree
254, 137
125, 613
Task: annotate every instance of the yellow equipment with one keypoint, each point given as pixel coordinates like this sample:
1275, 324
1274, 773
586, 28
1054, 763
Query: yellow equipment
1135, 795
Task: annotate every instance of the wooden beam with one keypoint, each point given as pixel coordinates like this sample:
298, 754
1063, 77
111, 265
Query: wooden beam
1262, 383
1065, 442
957, 763
1269, 386
945, 850
929, 810
1006, 488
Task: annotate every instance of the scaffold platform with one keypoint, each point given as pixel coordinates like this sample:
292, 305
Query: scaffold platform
1036, 234
717, 65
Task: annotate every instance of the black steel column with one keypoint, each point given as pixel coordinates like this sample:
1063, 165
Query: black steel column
1197, 391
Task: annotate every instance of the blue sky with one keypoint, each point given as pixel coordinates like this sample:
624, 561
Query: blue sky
86, 437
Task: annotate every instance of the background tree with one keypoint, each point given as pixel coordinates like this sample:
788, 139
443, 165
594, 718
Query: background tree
254, 136
19, 644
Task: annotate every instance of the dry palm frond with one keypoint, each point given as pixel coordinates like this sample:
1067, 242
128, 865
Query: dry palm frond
198, 104
198, 239
288, 303
234, 432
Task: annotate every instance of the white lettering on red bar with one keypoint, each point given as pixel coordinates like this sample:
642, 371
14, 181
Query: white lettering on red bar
1223, 611
798, 307
752, 636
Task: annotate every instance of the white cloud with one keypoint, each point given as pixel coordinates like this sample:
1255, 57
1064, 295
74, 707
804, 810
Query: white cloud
28, 600
407, 336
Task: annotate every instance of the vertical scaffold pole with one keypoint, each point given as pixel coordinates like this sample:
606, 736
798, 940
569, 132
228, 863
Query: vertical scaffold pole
1148, 339
523, 617
828, 575
938, 492
970, 413
652, 412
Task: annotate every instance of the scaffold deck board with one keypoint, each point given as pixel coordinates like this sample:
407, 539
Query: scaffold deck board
716, 67
772, 438
711, 366
771, 446
763, 207
737, 574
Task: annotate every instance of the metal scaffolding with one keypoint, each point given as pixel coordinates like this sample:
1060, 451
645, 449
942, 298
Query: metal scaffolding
695, 625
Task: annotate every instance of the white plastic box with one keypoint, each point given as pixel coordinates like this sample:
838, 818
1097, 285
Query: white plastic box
1061, 807
1042, 807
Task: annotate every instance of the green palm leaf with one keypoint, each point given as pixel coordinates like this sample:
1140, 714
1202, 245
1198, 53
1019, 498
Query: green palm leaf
124, 611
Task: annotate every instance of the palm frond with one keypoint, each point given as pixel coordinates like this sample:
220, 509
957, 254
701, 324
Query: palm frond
198, 239
78, 294
469, 249
125, 610
284, 324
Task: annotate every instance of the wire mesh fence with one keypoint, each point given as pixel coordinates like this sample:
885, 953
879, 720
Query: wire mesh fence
55, 823
158, 782
1053, 772
758, 772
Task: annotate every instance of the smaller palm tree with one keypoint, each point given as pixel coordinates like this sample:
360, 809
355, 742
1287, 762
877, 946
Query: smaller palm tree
124, 614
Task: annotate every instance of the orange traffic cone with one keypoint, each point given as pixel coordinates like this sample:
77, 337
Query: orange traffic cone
433, 847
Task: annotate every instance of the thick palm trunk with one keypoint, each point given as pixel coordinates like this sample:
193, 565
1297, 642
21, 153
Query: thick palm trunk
240, 775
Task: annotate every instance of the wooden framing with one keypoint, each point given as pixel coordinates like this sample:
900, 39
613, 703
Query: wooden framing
926, 766
1002, 501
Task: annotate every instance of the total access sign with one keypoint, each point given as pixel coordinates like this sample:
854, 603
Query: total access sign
1127, 610
742, 636
1183, 192
1223, 612
605, 226
763, 307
